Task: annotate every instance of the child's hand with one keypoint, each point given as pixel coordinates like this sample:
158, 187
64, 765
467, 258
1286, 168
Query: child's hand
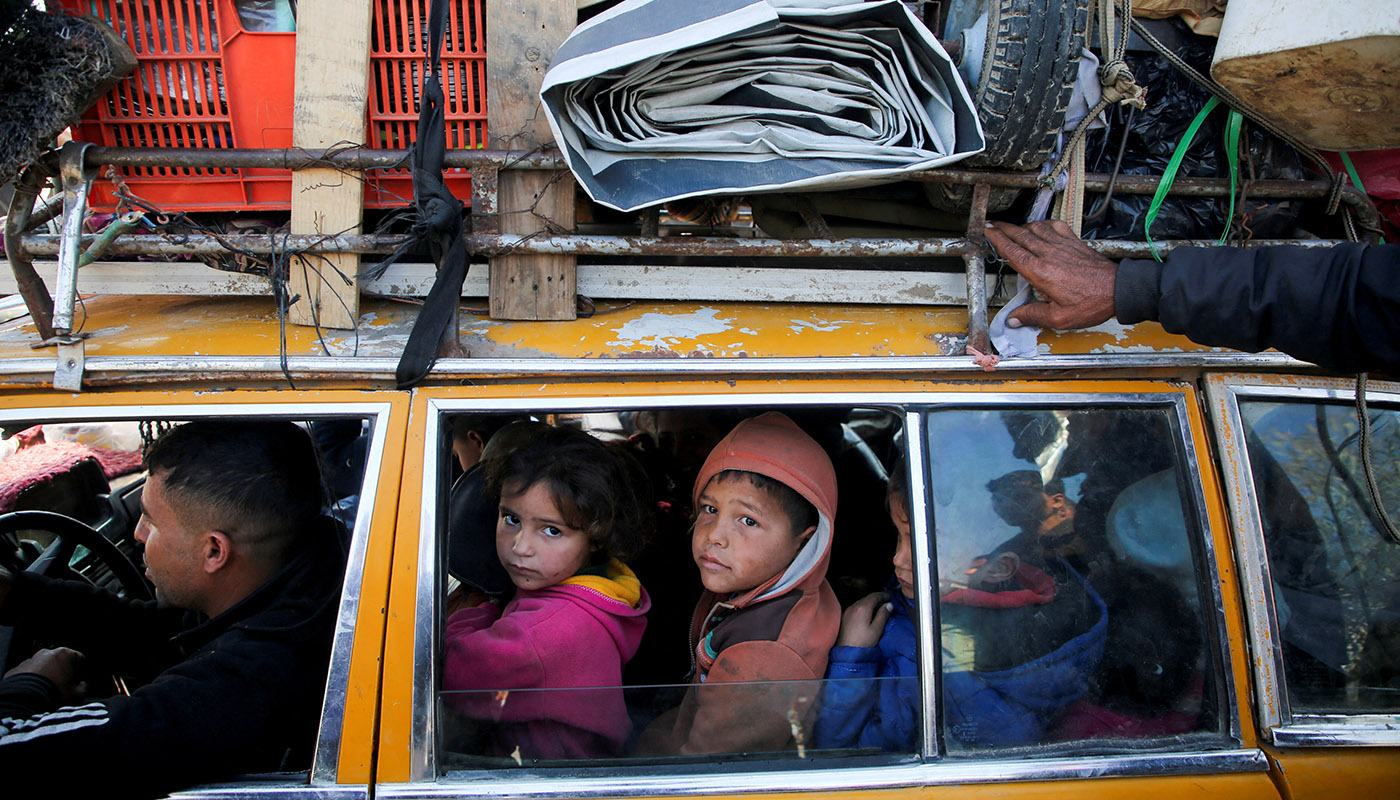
864, 621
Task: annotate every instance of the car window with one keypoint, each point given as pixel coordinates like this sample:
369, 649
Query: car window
1334, 574
636, 721
1070, 600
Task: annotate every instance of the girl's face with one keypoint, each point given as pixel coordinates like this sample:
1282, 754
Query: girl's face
534, 543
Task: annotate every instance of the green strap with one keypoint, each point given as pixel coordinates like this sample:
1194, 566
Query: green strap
1169, 175
1232, 154
1355, 177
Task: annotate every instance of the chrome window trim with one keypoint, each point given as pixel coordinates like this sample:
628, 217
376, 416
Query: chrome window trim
427, 623
925, 568
273, 791
143, 368
326, 760
1274, 711
1177, 402
836, 779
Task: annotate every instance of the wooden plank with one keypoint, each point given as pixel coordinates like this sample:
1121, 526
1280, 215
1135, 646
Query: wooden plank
599, 281
332, 85
521, 39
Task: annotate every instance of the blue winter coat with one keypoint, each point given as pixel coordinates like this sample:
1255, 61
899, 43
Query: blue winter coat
982, 709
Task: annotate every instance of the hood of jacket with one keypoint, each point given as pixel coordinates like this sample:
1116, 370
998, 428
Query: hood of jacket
616, 600
773, 445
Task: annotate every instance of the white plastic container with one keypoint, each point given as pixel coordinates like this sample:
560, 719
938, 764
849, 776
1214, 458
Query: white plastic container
1328, 72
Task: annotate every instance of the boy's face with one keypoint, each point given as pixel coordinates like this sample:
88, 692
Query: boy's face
742, 536
903, 550
535, 545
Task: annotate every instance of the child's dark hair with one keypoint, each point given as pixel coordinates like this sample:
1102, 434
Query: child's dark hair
798, 509
898, 487
597, 487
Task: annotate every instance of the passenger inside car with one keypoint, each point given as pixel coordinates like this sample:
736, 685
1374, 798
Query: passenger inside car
570, 512
247, 573
765, 502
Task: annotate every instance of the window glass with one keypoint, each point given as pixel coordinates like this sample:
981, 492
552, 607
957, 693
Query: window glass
1335, 575
1069, 593
677, 665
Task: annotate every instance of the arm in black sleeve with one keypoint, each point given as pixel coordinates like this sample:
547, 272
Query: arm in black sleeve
1337, 307
26, 694
119, 635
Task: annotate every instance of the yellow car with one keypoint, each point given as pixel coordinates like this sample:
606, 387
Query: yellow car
1222, 620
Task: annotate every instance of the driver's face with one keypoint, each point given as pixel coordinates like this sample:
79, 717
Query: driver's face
172, 550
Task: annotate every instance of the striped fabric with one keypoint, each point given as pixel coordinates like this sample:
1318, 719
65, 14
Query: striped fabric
656, 100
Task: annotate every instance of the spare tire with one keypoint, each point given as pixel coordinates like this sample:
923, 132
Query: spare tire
1020, 59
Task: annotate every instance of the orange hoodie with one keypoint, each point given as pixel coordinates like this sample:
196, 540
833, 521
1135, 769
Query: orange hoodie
781, 630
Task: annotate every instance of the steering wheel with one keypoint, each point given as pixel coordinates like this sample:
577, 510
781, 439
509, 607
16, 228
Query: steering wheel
69, 533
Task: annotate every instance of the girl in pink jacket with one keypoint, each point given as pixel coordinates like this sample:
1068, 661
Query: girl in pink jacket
570, 510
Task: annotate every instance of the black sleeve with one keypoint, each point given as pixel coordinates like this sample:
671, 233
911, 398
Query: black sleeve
1337, 307
26, 694
116, 635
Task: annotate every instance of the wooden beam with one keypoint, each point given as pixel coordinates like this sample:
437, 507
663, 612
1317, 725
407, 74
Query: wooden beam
520, 40
332, 85
598, 281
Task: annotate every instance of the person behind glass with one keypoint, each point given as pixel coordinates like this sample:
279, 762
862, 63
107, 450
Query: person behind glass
871, 698
765, 500
570, 511
1018, 645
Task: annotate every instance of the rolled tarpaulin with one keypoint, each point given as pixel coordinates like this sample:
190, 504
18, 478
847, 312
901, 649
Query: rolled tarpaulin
657, 100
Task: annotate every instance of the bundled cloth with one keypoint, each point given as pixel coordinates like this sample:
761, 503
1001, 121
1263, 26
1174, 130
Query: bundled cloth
656, 100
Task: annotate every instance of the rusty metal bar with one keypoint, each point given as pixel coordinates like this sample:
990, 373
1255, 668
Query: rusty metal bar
17, 221
351, 158
974, 261
479, 244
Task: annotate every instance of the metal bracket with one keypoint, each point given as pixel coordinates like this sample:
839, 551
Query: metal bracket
77, 181
68, 375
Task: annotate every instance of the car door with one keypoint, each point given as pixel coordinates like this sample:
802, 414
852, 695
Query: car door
1143, 463
1320, 572
361, 437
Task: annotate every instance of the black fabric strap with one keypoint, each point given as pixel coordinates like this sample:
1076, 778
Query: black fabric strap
440, 214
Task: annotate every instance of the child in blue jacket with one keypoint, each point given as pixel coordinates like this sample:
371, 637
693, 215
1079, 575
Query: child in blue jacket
872, 697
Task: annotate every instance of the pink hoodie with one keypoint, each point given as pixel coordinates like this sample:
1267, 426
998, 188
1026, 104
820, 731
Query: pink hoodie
576, 634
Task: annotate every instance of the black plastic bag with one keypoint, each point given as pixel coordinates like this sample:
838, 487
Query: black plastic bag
1173, 102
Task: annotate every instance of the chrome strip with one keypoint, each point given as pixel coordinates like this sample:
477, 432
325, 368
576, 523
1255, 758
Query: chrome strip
116, 368
1220, 644
273, 791
925, 568
426, 625
326, 766
949, 772
1332, 730
1256, 585
1274, 710
327, 757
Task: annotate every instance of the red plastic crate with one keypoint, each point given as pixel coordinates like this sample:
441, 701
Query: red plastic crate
202, 80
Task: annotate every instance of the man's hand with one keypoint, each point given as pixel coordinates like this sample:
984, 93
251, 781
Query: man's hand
1076, 282
59, 665
864, 621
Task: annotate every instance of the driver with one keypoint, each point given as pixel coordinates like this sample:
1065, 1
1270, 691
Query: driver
247, 576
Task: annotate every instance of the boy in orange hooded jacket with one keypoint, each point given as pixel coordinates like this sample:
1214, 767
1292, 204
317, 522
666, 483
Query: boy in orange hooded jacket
765, 500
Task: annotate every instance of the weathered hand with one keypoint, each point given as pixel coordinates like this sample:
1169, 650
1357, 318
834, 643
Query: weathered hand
864, 621
59, 665
1076, 282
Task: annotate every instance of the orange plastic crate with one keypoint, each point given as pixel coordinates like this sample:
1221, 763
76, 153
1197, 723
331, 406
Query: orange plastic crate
202, 80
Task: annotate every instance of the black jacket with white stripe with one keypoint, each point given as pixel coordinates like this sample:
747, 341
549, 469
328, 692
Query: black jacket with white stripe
239, 693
